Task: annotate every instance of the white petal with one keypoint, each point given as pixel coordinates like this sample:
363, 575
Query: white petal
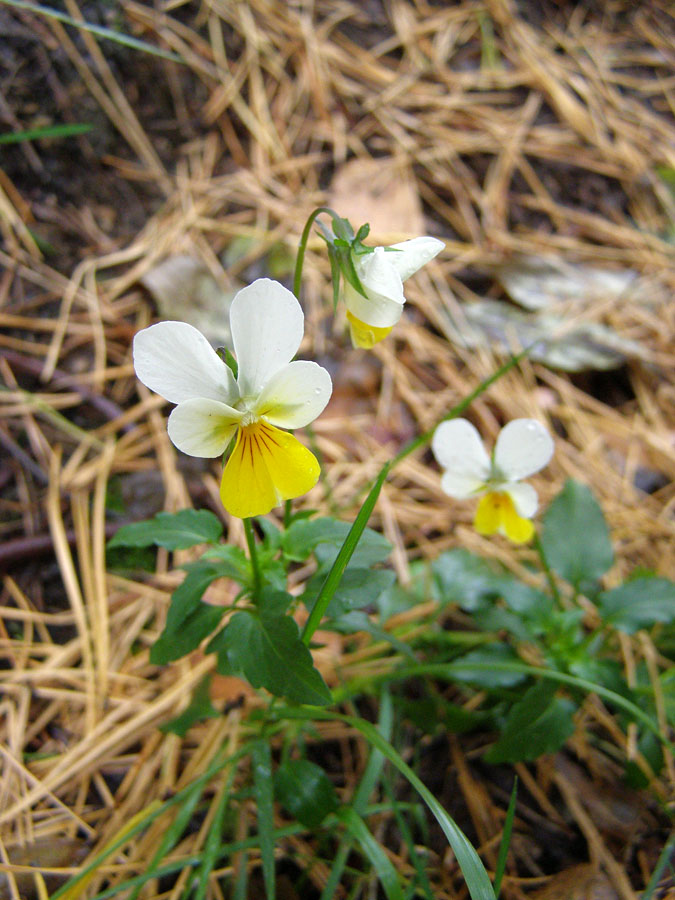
176, 361
379, 274
375, 310
523, 447
296, 395
412, 255
203, 427
458, 448
461, 487
524, 498
267, 326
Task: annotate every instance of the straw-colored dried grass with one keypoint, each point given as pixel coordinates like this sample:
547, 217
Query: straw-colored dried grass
494, 135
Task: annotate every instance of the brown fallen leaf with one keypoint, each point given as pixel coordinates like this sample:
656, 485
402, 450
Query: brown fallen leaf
582, 882
381, 192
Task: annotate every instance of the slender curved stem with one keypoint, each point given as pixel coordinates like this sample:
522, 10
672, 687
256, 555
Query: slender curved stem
538, 546
302, 246
333, 578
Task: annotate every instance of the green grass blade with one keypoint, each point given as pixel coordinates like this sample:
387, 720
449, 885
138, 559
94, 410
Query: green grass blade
263, 791
506, 839
213, 843
49, 131
476, 877
367, 785
99, 30
173, 833
153, 813
421, 886
663, 861
371, 849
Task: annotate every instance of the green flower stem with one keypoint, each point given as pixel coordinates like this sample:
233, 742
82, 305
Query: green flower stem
538, 546
461, 407
333, 578
302, 246
253, 553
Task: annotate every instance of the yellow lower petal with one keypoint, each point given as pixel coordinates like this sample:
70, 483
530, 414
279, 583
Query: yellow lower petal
363, 335
496, 512
266, 467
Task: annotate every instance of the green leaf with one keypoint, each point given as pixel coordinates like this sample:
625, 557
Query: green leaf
226, 355
266, 648
354, 621
465, 579
362, 233
327, 536
638, 604
200, 708
484, 676
305, 791
261, 757
175, 531
575, 537
343, 229
433, 713
189, 620
372, 850
539, 723
233, 563
358, 588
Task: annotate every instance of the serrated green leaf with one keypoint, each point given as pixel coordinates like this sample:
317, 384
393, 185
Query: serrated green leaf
487, 656
539, 723
189, 620
266, 648
327, 536
575, 537
200, 708
304, 789
232, 561
638, 604
174, 531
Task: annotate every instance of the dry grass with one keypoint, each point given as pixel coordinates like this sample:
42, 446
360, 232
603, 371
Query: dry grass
516, 136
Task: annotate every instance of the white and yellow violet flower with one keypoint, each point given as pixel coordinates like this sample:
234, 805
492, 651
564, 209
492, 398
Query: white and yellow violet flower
267, 466
382, 273
506, 505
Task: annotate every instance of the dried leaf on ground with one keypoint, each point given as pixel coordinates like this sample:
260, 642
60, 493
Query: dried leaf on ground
553, 341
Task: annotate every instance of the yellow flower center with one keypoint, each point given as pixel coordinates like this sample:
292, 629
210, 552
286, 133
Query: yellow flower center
496, 513
363, 335
266, 467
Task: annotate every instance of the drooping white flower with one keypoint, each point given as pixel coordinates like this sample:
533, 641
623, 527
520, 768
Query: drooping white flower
523, 447
382, 274
267, 465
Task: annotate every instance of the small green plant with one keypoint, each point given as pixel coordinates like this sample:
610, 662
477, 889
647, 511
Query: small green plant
242, 405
